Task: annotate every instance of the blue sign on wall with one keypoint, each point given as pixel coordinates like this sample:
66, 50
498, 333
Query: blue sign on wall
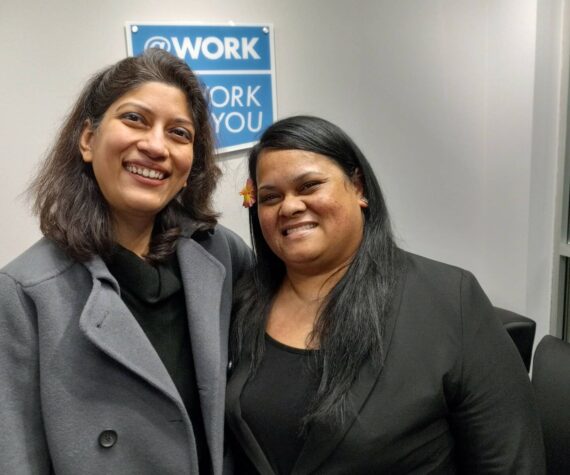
235, 63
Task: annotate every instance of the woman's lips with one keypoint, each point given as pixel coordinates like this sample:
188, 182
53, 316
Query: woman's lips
289, 230
145, 172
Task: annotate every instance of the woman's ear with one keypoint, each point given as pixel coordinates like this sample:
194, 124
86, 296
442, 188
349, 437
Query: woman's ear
85, 139
358, 184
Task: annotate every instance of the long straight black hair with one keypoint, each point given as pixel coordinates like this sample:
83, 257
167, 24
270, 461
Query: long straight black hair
350, 325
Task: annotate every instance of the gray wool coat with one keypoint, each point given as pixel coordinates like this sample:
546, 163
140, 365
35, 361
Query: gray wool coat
82, 390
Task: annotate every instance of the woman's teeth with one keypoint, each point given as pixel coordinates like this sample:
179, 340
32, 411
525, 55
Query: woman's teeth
299, 228
146, 172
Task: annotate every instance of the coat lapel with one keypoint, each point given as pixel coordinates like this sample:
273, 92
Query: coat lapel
238, 425
203, 279
109, 324
322, 439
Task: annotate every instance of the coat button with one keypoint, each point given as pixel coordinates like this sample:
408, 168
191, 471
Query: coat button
230, 366
108, 438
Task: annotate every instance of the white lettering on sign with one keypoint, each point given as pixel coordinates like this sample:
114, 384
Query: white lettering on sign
235, 122
221, 96
236, 96
251, 95
214, 48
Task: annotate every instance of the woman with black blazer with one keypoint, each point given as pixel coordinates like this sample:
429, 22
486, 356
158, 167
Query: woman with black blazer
114, 326
351, 356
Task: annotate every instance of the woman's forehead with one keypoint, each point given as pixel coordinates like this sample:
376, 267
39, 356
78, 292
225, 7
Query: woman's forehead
293, 164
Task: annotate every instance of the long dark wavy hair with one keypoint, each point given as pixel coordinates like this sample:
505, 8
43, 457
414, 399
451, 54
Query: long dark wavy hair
350, 323
66, 197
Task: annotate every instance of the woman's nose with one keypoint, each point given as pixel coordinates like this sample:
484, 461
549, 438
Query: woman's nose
292, 205
153, 144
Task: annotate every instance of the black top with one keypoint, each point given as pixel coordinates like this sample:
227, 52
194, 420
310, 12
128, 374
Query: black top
275, 401
154, 295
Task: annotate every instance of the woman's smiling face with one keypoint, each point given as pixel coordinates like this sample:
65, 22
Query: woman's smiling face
310, 212
142, 151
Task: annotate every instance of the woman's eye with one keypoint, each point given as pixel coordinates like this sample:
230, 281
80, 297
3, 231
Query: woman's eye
270, 198
183, 134
309, 186
132, 117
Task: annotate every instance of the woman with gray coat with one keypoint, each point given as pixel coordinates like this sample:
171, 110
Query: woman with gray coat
114, 326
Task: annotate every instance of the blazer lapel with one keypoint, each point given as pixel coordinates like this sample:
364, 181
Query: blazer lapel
238, 425
322, 439
203, 278
108, 323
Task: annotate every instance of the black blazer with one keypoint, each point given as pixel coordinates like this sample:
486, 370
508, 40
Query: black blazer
452, 397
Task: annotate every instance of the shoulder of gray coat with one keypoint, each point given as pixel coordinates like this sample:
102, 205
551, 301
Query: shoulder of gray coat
42, 261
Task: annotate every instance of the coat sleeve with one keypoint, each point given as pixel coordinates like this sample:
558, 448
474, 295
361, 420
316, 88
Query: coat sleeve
493, 414
23, 447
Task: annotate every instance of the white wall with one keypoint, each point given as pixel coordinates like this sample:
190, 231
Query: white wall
440, 95
548, 156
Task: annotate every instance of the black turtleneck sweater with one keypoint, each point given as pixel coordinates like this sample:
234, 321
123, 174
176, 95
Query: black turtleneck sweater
154, 295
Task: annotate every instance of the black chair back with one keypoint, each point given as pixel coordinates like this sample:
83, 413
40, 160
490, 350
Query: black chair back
551, 381
521, 330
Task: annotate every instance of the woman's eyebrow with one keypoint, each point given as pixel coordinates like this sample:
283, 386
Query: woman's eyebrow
138, 105
148, 110
297, 179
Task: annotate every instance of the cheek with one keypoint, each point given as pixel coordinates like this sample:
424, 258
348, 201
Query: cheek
266, 222
189, 163
101, 172
182, 170
184, 165
326, 206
